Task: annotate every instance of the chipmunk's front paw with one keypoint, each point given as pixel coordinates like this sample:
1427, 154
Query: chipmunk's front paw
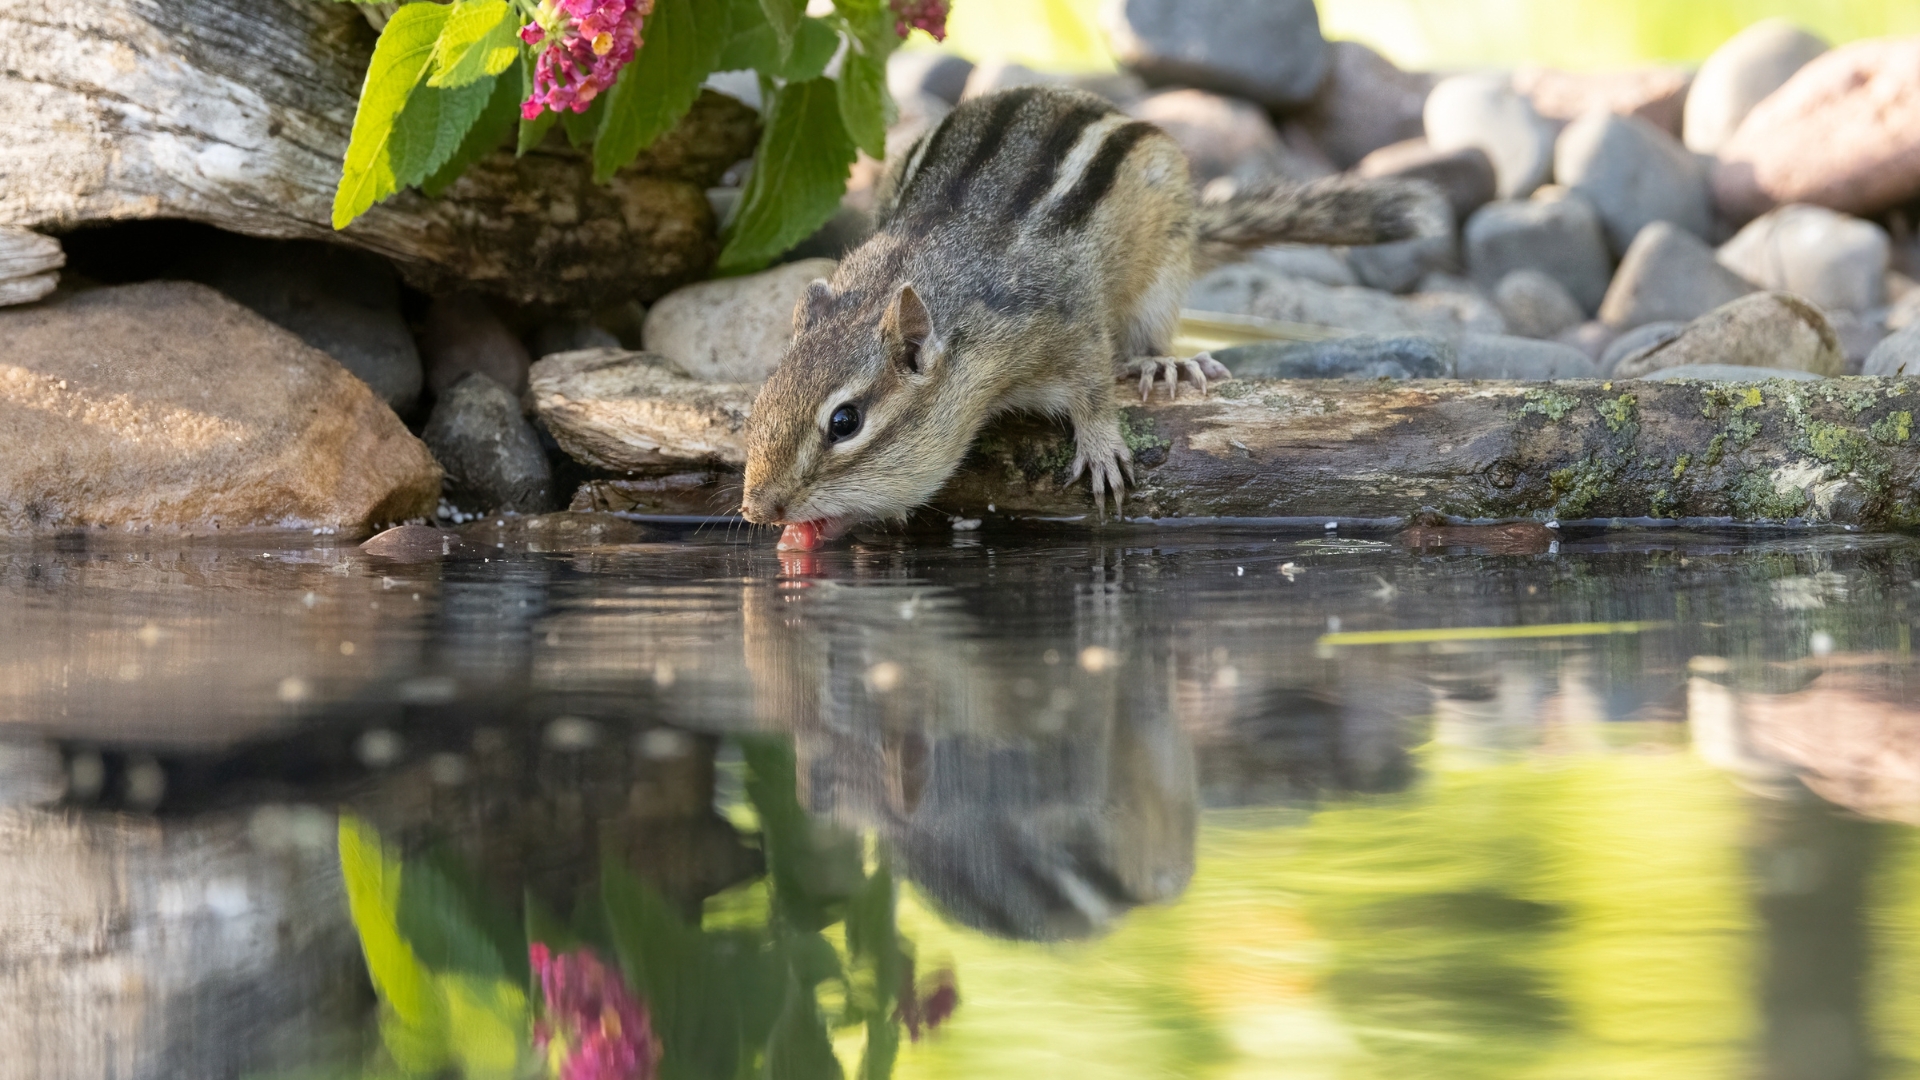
1102, 453
1196, 370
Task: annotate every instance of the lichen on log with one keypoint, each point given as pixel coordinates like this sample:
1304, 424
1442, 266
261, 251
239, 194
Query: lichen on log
1837, 450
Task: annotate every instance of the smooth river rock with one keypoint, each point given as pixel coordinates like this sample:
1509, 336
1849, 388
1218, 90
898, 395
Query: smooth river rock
1485, 111
1251, 289
1556, 232
1843, 133
491, 454
1498, 356
1634, 174
1222, 136
1653, 94
1465, 176
462, 336
1365, 103
734, 329
1834, 260
1897, 355
1270, 52
1537, 306
169, 405
1768, 330
1668, 275
1739, 75
1360, 356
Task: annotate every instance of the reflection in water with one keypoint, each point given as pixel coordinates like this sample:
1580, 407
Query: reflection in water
1165, 807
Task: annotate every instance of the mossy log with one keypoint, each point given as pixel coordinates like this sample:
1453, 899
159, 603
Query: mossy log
1838, 450
237, 113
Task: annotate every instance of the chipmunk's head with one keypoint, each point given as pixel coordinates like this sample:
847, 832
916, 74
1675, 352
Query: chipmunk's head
849, 427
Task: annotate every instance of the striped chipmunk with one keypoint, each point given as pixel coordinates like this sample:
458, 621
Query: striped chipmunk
1029, 249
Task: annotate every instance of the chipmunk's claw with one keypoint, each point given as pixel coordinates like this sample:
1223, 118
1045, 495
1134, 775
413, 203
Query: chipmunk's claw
1197, 370
1103, 455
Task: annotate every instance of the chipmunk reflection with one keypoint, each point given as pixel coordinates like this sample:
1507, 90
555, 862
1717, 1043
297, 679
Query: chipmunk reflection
1027, 799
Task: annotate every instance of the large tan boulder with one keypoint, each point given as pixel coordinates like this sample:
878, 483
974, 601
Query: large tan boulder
1843, 133
167, 405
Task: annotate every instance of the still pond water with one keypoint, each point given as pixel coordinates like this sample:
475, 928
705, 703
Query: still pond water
1160, 803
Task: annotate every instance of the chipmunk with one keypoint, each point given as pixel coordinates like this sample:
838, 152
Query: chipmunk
1033, 246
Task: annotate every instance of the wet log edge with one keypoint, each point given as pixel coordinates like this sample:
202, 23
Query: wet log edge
1838, 451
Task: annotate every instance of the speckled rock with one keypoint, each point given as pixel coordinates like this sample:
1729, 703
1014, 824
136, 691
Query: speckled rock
1556, 232
734, 329
1250, 289
1669, 275
1634, 174
1843, 133
1497, 356
628, 411
1537, 306
1360, 356
1739, 75
1834, 260
1484, 111
1770, 330
1269, 52
169, 405
491, 455
1311, 262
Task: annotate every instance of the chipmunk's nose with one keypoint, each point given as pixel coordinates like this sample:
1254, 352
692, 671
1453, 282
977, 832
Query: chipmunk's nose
762, 508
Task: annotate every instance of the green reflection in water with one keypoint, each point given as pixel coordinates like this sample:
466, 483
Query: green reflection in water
1573, 915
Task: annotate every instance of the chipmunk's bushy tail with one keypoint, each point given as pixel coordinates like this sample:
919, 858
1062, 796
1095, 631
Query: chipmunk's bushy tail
1338, 211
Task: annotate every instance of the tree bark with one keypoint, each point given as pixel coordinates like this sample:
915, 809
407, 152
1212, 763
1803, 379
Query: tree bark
1839, 450
237, 113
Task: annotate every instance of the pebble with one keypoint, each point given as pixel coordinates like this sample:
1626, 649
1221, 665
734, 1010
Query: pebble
938, 73
1465, 176
461, 336
1365, 103
1360, 356
1399, 267
1655, 94
1309, 262
1669, 275
1739, 75
1897, 355
1270, 52
1252, 289
1843, 133
492, 457
1556, 232
733, 329
1637, 340
1497, 356
1536, 306
1770, 330
1484, 111
1832, 259
1221, 136
418, 543
1634, 174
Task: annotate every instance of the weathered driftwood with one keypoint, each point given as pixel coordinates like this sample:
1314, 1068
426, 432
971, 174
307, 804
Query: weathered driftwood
237, 113
1839, 450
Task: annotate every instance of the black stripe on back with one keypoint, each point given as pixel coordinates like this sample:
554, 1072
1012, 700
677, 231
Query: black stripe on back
930, 161
992, 134
1053, 151
1077, 206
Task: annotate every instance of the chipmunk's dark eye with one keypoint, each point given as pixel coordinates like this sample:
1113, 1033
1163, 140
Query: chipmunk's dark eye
844, 422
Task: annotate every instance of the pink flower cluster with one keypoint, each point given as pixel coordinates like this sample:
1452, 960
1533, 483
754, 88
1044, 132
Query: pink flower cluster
583, 45
928, 15
927, 1005
590, 1026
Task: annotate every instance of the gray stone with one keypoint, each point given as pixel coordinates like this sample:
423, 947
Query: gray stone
462, 336
1640, 339
992, 76
1270, 52
1905, 311
1221, 136
1365, 103
1655, 94
1729, 373
490, 453
1634, 174
1769, 330
1739, 75
345, 303
1399, 267
1537, 306
1464, 176
570, 335
1591, 338
943, 75
1860, 332
1361, 356
1834, 260
1897, 355
1556, 232
1497, 356
1251, 289
1484, 111
1669, 275
1310, 262
733, 329
848, 228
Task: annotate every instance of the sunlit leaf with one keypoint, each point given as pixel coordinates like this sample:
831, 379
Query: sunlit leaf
413, 1021
401, 55
489, 1024
489, 133
784, 16
432, 128
481, 38
799, 1048
815, 868
689, 987
799, 174
454, 926
684, 40
758, 49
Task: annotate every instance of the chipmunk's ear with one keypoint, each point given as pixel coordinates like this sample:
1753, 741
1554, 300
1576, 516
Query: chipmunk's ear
908, 330
813, 306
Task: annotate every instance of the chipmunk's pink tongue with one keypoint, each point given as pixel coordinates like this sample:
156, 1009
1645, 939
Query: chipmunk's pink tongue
809, 535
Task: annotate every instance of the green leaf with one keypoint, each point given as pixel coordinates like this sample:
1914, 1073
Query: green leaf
534, 131
399, 58
583, 127
690, 985
799, 174
453, 925
883, 1046
481, 38
413, 1021
684, 41
799, 1048
758, 49
864, 102
431, 129
784, 16
815, 869
488, 133
489, 1026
